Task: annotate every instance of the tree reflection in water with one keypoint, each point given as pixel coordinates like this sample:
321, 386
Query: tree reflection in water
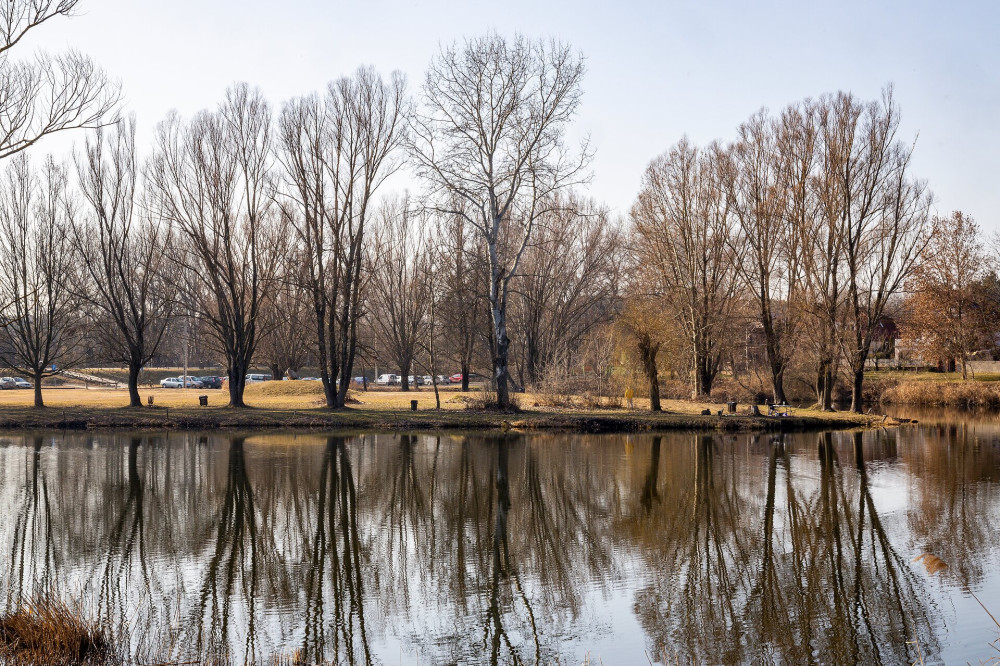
818, 579
125, 545
336, 552
513, 549
231, 574
33, 559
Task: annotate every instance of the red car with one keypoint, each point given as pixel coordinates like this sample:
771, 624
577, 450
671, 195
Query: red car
474, 378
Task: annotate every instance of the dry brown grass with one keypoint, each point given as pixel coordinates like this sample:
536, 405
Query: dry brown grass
298, 395
943, 394
299, 405
49, 632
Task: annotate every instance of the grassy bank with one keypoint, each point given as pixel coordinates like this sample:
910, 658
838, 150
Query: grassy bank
962, 394
295, 405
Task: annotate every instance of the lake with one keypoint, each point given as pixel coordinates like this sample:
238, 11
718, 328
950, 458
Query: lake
831, 547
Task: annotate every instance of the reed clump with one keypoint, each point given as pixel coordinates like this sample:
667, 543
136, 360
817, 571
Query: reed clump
943, 394
49, 632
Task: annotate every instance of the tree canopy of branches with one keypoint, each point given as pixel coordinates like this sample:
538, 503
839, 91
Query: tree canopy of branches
877, 212
951, 310
489, 139
569, 282
211, 179
400, 267
462, 305
336, 151
40, 322
126, 256
765, 173
681, 217
46, 94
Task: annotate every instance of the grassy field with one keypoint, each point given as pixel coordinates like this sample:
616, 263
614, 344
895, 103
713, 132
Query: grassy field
300, 405
926, 376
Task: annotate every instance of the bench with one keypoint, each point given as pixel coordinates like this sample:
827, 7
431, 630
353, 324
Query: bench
780, 409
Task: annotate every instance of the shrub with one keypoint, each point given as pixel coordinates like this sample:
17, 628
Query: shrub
45, 631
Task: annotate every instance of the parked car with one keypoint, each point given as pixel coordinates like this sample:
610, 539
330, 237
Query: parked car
426, 380
7, 383
210, 382
256, 378
179, 382
474, 378
23, 383
387, 380
441, 379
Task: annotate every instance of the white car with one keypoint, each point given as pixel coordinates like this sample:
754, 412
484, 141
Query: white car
22, 383
255, 378
178, 382
387, 380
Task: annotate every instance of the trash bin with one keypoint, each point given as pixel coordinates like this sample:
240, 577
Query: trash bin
203, 400
732, 406
413, 405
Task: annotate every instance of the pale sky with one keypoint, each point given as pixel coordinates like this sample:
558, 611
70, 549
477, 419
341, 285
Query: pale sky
656, 70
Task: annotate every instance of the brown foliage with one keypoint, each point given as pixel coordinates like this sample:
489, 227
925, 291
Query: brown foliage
46, 631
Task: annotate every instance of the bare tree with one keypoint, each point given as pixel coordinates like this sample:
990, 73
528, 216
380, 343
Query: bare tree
399, 265
40, 322
211, 180
681, 218
462, 304
46, 94
490, 137
337, 150
881, 213
126, 256
763, 172
642, 322
569, 282
287, 342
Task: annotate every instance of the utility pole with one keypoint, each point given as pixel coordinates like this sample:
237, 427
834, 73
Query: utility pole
187, 344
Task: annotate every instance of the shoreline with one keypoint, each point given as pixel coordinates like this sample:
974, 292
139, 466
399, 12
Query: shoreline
262, 418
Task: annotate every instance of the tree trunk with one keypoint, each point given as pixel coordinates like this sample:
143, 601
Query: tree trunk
857, 398
777, 366
329, 387
531, 360
778, 383
704, 376
133, 384
465, 376
705, 371
648, 353
404, 376
38, 389
500, 372
826, 379
237, 382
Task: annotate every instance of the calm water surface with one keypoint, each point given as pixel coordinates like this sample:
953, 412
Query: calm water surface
518, 549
